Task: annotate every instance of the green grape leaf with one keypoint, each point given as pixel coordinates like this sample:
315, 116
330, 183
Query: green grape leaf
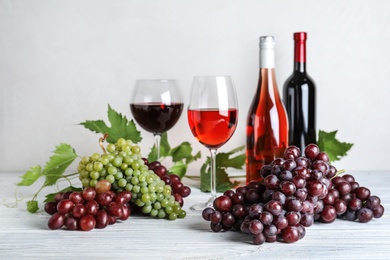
50, 197
63, 156
120, 127
30, 176
179, 168
327, 142
182, 151
224, 162
237, 162
32, 206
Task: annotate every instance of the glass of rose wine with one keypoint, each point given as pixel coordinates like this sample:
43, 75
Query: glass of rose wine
212, 117
156, 106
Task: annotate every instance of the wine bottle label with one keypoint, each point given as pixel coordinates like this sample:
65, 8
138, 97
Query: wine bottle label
267, 52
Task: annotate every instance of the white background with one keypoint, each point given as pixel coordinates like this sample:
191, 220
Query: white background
63, 62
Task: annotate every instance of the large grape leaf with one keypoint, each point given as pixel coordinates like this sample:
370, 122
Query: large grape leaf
63, 156
30, 176
327, 142
120, 127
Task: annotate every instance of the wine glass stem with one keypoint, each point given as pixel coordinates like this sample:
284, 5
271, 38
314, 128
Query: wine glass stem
213, 176
157, 141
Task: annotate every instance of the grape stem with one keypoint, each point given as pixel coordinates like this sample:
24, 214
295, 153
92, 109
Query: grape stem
101, 141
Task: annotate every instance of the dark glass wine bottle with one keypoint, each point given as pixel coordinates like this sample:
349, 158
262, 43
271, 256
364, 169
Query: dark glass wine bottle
267, 124
299, 96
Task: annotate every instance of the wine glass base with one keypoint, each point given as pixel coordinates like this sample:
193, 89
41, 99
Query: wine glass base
202, 205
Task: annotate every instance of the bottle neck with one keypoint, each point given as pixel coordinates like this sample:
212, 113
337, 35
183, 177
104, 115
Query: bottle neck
300, 55
267, 58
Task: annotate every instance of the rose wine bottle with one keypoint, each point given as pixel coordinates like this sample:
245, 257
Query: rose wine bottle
267, 123
299, 96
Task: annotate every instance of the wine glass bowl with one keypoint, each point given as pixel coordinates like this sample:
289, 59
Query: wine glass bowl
156, 105
212, 117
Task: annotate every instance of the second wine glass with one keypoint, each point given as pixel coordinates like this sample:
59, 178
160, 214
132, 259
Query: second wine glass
212, 117
156, 106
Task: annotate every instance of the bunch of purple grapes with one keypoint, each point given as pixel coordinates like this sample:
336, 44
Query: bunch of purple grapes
295, 192
94, 207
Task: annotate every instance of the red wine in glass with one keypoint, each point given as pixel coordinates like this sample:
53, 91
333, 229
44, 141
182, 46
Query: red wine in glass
212, 127
156, 117
156, 105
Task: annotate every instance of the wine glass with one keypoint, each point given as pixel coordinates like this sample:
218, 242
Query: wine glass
212, 117
156, 105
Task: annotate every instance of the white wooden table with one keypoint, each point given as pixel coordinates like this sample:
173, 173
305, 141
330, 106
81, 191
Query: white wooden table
26, 236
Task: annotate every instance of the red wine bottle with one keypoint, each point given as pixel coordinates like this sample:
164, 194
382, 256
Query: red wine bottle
299, 96
267, 123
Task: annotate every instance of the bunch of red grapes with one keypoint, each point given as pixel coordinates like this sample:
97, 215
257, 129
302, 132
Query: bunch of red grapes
295, 192
94, 207
102, 205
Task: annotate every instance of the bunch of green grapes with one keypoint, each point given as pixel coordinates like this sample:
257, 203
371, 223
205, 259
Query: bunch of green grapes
123, 166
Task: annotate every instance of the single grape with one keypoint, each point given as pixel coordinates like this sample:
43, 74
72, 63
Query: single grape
102, 186
270, 230
255, 210
50, 207
279, 196
71, 223
291, 152
238, 210
288, 188
280, 222
56, 221
355, 204
123, 197
87, 222
322, 156
103, 199
328, 214
79, 210
290, 234
343, 187
311, 151
373, 202
65, 206
238, 198
228, 220
76, 197
379, 211
252, 196
362, 193
216, 227
365, 215
259, 239
206, 213
293, 218
340, 206
266, 218
216, 217
89, 193
271, 182
91, 207
126, 211
274, 207
222, 203
255, 227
